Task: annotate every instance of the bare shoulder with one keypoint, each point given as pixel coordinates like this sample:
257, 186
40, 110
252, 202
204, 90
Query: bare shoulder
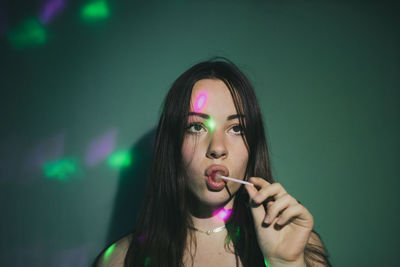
115, 254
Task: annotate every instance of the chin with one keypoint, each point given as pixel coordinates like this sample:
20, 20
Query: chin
213, 198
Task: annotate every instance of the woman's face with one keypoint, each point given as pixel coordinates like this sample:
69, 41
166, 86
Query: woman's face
213, 143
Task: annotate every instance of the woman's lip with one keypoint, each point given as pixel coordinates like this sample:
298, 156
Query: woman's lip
213, 184
216, 176
217, 168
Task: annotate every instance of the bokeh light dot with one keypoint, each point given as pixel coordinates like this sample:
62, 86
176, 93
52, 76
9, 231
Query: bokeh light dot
120, 159
60, 169
95, 11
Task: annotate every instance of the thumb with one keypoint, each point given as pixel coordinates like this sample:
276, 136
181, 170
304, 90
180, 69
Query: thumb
257, 210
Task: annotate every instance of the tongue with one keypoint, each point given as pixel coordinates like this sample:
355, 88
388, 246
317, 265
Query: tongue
216, 176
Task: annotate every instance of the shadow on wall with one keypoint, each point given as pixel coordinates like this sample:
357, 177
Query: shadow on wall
131, 189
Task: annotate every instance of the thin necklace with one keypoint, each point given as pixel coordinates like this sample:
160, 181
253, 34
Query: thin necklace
209, 232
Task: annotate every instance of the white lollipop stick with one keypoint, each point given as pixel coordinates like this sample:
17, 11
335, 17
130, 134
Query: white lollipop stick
235, 180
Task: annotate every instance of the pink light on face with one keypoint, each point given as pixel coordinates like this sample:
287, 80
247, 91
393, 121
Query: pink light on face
200, 102
223, 214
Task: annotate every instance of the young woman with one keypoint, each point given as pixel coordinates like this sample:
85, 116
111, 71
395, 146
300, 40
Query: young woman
211, 126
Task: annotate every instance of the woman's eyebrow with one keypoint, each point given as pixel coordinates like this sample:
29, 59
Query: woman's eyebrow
235, 116
206, 116
203, 115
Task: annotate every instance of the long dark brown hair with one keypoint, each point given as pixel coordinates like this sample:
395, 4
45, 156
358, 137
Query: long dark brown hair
160, 237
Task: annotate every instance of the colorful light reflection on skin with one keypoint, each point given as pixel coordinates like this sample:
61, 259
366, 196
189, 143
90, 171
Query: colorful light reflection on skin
210, 123
50, 9
200, 102
223, 214
108, 252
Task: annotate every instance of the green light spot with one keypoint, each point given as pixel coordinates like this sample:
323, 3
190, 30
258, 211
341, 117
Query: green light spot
228, 239
147, 261
265, 261
95, 11
210, 123
119, 159
60, 169
237, 232
29, 33
108, 252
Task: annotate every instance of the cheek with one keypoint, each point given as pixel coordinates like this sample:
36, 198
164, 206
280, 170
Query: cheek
243, 165
189, 151
190, 162
242, 160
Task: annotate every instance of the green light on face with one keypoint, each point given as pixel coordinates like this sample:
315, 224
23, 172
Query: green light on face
210, 123
60, 169
265, 261
95, 11
28, 33
108, 252
119, 159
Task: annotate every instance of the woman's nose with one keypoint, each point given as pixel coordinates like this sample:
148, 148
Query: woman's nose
217, 148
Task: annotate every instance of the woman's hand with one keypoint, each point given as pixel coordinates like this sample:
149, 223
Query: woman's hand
282, 224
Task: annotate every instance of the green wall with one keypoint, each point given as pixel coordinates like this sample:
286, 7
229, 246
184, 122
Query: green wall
77, 89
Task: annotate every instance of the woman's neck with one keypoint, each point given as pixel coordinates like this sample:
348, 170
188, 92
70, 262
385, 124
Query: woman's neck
205, 217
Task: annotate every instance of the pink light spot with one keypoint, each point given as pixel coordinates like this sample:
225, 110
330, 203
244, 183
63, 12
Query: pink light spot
51, 9
142, 238
200, 102
223, 214
101, 147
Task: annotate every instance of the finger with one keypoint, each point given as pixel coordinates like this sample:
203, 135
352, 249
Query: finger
258, 182
257, 210
278, 206
275, 190
290, 213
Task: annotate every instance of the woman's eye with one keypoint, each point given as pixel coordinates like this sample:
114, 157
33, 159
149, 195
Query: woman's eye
195, 128
237, 129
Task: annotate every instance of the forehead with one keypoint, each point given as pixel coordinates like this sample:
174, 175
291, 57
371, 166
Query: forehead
212, 96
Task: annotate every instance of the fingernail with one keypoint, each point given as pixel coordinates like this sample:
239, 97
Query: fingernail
280, 221
267, 219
